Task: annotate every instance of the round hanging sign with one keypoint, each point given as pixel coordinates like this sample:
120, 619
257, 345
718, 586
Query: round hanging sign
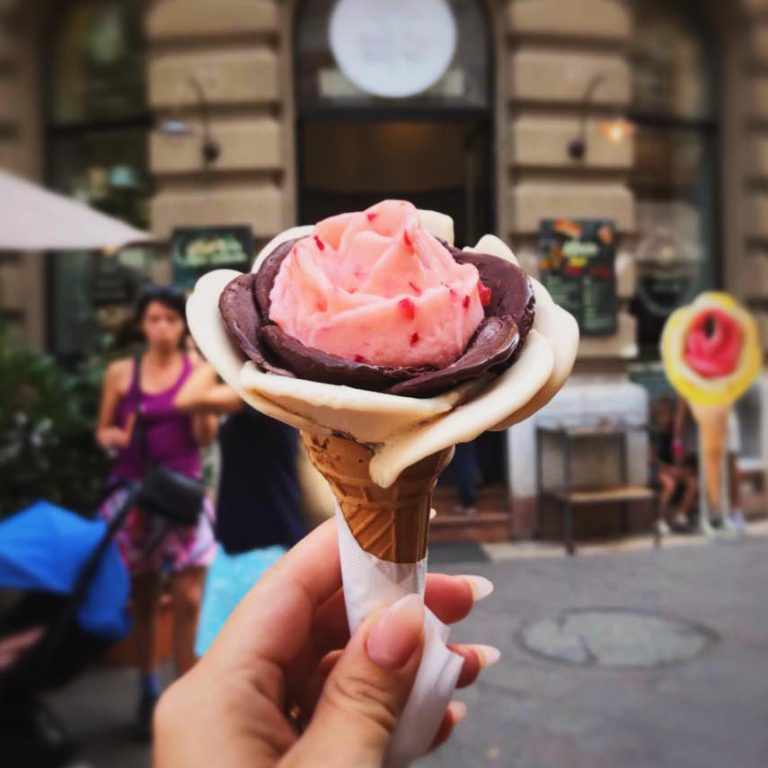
393, 49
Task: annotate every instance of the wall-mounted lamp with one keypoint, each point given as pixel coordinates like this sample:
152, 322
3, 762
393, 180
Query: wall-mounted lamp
210, 149
615, 130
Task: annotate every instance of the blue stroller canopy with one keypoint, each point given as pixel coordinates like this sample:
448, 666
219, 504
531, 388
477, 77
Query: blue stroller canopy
44, 547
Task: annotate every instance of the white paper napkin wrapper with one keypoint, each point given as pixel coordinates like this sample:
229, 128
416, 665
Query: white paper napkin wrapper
370, 583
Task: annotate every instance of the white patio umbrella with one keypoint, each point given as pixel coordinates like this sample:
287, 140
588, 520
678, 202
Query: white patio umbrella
34, 219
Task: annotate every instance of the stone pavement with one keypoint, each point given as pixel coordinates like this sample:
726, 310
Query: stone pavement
623, 656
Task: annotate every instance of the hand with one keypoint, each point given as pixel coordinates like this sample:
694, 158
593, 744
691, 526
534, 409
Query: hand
678, 450
114, 438
279, 687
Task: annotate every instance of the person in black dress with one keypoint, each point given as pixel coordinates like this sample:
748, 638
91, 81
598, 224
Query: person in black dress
258, 500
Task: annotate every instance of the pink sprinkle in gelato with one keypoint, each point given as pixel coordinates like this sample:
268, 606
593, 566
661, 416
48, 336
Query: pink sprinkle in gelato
376, 286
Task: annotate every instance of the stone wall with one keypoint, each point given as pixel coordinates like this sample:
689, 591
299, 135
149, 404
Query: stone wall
749, 275
236, 50
21, 275
554, 51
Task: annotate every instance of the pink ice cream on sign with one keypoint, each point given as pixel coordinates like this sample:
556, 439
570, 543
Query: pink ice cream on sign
376, 287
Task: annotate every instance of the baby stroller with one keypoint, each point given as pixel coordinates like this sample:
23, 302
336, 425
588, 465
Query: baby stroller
63, 602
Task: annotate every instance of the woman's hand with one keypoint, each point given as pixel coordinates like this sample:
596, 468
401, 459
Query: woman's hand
279, 687
113, 438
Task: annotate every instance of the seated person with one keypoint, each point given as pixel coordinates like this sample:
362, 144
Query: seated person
669, 469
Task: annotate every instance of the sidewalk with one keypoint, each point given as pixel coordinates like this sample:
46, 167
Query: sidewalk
566, 701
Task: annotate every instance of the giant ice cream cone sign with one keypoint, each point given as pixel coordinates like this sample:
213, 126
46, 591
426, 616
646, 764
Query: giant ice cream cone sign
712, 355
386, 346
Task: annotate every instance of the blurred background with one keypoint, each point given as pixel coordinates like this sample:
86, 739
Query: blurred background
632, 131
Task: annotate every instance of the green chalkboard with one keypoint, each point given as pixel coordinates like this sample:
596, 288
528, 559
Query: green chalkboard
197, 250
577, 265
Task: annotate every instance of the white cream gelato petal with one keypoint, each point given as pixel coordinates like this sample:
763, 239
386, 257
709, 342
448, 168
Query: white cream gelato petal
290, 234
561, 331
210, 334
510, 391
438, 224
494, 246
369, 417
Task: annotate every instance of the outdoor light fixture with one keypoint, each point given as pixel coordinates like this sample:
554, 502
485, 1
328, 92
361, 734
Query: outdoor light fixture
210, 149
615, 130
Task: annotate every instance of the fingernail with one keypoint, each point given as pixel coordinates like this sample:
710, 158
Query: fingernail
480, 586
396, 633
488, 654
458, 710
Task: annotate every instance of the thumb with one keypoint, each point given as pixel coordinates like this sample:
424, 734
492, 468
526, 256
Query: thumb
366, 692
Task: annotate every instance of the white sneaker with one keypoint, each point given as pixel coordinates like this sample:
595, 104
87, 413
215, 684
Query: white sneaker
738, 521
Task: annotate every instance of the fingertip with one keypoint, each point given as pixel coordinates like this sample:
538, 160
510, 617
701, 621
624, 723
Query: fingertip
455, 712
480, 586
470, 670
450, 598
489, 654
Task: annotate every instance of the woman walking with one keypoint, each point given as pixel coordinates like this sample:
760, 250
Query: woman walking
139, 422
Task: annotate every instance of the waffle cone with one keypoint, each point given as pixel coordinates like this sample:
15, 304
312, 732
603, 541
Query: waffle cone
712, 421
390, 523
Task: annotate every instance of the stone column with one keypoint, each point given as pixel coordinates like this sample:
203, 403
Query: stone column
22, 295
747, 271
234, 49
745, 154
555, 49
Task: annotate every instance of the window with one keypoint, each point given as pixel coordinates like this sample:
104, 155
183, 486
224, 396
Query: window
97, 124
674, 174
433, 148
320, 83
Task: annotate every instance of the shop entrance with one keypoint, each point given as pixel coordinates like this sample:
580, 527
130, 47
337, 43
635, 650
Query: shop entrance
433, 147
437, 162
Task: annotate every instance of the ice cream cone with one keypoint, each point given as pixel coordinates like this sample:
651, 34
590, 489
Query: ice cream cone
712, 421
390, 523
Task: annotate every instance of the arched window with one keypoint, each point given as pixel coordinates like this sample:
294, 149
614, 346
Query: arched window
674, 178
431, 143
97, 120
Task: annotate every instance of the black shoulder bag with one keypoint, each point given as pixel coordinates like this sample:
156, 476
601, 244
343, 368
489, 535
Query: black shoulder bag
172, 495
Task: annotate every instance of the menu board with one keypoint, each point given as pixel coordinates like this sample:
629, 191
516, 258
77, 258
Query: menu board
577, 264
113, 283
197, 250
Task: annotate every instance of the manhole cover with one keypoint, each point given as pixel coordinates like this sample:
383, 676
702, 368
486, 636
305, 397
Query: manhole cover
615, 638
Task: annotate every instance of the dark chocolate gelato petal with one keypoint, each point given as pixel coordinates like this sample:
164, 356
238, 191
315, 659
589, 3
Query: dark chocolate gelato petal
494, 347
511, 289
267, 274
238, 310
315, 365
494, 343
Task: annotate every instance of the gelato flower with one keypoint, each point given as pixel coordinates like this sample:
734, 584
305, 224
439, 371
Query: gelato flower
498, 359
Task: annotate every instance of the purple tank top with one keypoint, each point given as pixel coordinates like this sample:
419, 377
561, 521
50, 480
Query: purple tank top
168, 438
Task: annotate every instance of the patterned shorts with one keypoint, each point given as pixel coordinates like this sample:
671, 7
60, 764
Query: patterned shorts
148, 544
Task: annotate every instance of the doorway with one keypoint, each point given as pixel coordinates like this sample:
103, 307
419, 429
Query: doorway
350, 163
433, 148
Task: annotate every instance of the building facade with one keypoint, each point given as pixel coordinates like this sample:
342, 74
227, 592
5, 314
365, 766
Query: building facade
114, 100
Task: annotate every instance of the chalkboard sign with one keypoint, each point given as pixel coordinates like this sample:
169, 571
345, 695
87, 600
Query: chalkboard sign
576, 259
197, 250
113, 283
